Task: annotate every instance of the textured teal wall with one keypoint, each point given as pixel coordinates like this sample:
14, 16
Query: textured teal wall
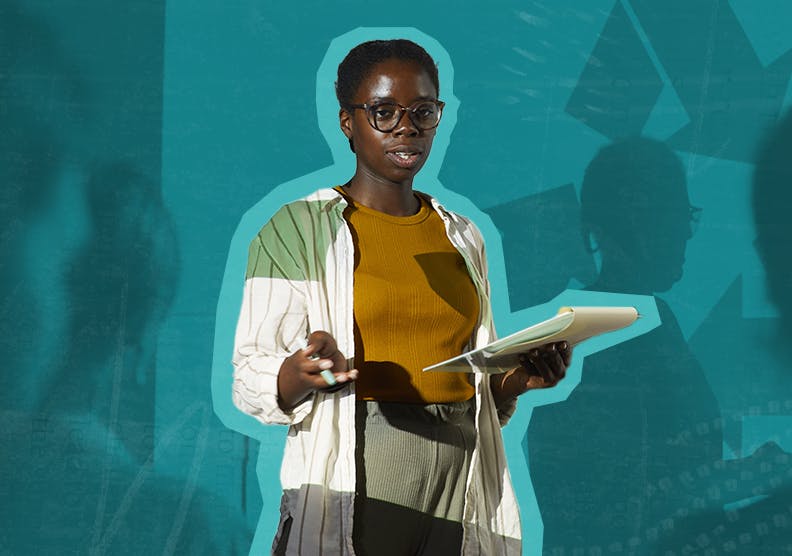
134, 136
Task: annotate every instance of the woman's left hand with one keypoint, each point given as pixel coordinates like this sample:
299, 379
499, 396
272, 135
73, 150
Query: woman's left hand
545, 366
541, 367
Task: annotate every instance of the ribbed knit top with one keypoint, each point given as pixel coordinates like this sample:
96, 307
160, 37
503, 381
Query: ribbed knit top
414, 305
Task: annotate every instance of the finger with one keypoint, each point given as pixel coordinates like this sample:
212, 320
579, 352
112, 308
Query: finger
346, 376
541, 367
528, 362
339, 362
308, 351
554, 360
329, 381
321, 376
320, 367
310, 370
566, 352
527, 366
318, 351
316, 366
325, 344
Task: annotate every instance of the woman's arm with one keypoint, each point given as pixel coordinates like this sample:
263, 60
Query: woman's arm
273, 323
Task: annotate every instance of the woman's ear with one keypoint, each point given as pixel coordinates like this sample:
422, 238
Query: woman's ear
345, 122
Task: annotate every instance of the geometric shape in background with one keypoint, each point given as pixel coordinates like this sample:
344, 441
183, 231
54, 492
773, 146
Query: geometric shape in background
730, 97
736, 352
619, 84
766, 24
760, 429
542, 246
668, 116
723, 327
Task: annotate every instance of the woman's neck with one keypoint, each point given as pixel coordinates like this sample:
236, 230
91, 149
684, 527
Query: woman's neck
396, 199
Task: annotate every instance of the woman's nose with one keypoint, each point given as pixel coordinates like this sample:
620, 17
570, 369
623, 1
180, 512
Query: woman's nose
405, 126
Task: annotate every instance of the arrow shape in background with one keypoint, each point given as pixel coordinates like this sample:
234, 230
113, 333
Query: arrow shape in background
729, 96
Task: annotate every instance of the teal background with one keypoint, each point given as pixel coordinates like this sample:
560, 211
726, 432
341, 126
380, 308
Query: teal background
137, 135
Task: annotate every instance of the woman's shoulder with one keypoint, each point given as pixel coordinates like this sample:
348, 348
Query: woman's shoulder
297, 234
319, 201
307, 209
304, 220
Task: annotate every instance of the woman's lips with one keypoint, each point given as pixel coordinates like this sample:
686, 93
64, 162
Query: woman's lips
404, 159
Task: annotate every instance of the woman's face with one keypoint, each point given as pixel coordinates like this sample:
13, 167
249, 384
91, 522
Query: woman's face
395, 156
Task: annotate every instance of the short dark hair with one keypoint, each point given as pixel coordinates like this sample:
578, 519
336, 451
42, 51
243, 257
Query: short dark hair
357, 65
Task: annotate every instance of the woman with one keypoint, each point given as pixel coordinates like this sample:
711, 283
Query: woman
416, 459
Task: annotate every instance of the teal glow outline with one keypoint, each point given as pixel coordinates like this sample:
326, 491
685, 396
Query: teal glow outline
230, 295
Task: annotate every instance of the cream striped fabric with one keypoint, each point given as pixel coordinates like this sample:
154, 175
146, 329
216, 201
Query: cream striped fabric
300, 279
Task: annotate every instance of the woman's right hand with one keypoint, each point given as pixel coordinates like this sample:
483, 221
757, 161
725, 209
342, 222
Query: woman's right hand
302, 372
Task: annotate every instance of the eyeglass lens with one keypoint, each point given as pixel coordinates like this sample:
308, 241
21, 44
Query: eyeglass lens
386, 116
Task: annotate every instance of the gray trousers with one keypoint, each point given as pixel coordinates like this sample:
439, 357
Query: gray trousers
412, 464
412, 467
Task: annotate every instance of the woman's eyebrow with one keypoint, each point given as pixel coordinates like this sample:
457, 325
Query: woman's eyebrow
374, 100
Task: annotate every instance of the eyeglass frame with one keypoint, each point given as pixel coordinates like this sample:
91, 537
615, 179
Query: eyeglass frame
410, 110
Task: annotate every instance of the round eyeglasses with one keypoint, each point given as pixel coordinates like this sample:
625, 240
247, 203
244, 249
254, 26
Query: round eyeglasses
385, 116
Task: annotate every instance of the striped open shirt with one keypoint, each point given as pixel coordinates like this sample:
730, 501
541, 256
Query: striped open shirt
300, 279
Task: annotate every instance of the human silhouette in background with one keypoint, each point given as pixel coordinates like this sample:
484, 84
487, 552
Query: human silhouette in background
89, 269
32, 154
762, 524
612, 462
120, 284
772, 206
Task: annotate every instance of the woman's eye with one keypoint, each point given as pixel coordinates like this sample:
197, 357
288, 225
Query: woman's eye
383, 113
425, 111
